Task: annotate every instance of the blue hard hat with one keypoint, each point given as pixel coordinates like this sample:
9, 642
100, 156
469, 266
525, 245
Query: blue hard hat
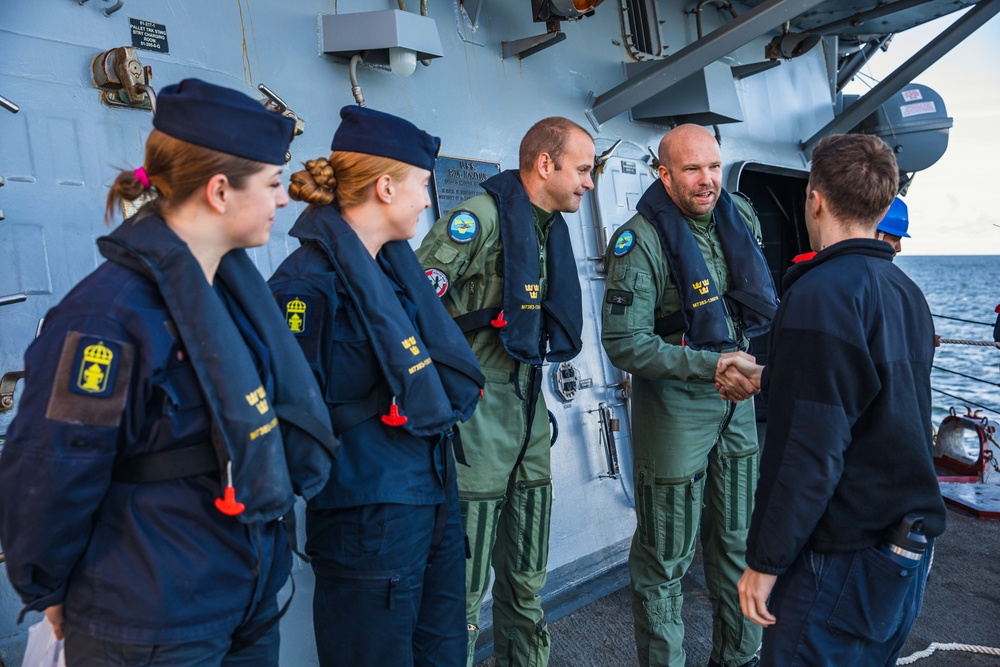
896, 220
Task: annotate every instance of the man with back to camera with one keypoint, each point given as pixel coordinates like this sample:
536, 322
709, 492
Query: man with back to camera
684, 278
503, 265
847, 504
892, 227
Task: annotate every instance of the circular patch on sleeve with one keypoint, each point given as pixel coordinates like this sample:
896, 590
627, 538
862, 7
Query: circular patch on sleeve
439, 281
463, 226
624, 243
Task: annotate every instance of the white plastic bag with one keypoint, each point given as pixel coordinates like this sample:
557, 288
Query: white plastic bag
43, 650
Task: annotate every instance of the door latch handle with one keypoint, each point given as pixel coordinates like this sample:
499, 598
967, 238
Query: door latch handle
12, 298
276, 104
8, 105
122, 79
7, 384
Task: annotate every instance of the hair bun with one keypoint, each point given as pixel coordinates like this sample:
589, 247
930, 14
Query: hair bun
316, 184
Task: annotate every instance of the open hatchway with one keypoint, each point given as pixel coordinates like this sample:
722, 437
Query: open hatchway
778, 195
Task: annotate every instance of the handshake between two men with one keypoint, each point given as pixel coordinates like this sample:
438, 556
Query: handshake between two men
737, 376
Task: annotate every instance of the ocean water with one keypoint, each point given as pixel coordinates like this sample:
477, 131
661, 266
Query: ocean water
965, 287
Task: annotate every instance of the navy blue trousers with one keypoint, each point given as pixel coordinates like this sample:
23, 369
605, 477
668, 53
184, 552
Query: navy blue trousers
853, 608
82, 650
378, 600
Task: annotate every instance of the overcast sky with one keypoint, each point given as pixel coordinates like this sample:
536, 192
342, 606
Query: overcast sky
954, 204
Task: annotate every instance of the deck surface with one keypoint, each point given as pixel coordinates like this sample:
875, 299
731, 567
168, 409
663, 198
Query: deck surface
961, 605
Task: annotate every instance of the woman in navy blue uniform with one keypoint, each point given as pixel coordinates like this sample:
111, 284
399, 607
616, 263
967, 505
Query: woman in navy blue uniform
385, 535
168, 417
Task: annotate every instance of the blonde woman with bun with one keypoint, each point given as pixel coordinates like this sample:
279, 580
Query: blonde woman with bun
385, 535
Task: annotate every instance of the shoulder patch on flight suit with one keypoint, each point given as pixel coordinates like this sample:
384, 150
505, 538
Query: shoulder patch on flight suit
463, 226
439, 281
91, 381
298, 313
624, 243
619, 300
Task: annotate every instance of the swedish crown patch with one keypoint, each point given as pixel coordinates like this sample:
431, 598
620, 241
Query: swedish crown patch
95, 367
92, 380
463, 226
297, 314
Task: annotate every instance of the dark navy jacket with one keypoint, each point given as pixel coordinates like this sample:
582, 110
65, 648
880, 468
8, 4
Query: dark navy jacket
848, 451
146, 563
376, 463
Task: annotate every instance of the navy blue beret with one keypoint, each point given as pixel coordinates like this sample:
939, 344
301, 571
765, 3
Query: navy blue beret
364, 130
224, 120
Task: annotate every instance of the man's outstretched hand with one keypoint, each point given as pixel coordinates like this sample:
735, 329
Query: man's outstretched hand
737, 376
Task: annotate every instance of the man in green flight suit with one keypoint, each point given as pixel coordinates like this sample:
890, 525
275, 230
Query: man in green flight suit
687, 285
503, 266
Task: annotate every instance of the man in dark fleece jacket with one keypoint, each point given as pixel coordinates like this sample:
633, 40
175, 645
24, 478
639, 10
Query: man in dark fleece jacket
848, 449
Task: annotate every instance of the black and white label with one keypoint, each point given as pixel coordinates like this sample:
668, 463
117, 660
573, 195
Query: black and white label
149, 36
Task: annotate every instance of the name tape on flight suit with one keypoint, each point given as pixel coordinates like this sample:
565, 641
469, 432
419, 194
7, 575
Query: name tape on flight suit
619, 300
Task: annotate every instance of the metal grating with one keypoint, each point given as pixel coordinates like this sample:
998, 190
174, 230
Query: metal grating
642, 29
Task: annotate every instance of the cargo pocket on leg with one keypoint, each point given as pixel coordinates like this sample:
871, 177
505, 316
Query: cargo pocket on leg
480, 516
678, 498
645, 514
740, 480
534, 501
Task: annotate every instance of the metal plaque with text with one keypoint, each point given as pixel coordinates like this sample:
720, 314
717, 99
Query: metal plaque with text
457, 179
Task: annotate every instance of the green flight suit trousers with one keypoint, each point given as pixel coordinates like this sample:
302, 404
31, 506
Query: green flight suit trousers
506, 507
696, 464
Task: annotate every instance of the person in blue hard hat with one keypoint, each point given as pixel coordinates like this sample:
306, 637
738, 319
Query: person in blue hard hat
168, 417
385, 535
892, 228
